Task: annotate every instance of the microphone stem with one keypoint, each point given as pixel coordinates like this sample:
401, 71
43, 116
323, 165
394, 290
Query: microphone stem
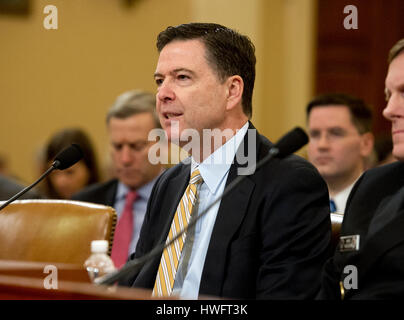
26, 189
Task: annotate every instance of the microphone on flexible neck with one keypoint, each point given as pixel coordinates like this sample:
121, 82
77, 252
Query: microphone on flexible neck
68, 157
288, 144
63, 160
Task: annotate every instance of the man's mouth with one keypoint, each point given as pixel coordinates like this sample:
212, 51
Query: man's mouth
397, 131
323, 160
171, 115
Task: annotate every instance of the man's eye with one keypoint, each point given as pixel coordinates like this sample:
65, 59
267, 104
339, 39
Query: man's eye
117, 146
139, 146
183, 77
159, 81
337, 133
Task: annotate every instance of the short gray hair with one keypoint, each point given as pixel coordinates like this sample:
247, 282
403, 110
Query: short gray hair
133, 102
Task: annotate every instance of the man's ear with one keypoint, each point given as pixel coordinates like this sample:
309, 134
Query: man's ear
367, 144
235, 87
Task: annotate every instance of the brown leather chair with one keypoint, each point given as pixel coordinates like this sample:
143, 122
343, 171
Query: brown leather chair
336, 221
53, 230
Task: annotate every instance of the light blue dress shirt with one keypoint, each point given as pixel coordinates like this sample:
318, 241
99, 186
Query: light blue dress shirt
139, 208
214, 171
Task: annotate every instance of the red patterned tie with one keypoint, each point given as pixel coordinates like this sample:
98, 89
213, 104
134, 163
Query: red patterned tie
123, 232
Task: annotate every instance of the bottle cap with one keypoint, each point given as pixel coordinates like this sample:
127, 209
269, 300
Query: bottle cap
99, 246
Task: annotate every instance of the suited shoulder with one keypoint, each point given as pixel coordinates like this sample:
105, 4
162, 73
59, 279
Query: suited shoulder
379, 182
97, 192
9, 187
373, 190
293, 177
295, 161
290, 162
172, 172
292, 167
389, 173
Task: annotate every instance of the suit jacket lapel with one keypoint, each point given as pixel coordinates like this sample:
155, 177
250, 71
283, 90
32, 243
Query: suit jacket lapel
392, 216
381, 239
111, 194
387, 211
231, 213
170, 198
174, 191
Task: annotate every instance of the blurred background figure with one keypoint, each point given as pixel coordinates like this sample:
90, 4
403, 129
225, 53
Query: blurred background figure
383, 150
129, 122
341, 142
62, 184
4, 168
10, 184
9, 187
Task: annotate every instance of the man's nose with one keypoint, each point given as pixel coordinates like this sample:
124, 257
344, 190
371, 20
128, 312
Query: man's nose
323, 141
126, 154
393, 108
165, 91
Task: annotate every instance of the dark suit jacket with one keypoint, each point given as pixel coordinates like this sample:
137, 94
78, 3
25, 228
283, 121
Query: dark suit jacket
101, 193
271, 234
9, 187
375, 212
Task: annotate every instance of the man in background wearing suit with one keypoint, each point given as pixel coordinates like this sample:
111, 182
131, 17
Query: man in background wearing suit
129, 121
269, 237
368, 262
341, 142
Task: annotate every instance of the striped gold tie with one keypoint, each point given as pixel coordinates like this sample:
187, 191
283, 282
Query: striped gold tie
172, 254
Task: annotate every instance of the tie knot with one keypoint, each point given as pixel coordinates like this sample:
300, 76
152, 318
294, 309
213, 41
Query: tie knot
131, 196
196, 177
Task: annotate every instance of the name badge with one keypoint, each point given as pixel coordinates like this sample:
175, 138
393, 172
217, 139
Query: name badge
349, 243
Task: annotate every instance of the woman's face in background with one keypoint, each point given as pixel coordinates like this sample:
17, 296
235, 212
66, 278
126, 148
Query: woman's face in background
69, 181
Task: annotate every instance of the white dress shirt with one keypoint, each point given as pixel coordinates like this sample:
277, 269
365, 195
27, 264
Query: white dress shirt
214, 174
341, 198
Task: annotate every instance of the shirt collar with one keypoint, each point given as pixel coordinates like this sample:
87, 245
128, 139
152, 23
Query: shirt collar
215, 167
143, 192
341, 198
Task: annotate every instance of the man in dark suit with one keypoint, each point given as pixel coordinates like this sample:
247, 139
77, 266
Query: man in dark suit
129, 121
368, 262
266, 239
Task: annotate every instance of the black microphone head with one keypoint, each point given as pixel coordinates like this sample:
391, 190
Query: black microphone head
291, 142
68, 157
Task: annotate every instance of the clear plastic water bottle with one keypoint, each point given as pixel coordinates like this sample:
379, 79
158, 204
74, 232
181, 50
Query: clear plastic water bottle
99, 263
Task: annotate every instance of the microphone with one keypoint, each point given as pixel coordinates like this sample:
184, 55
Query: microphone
63, 160
288, 144
68, 157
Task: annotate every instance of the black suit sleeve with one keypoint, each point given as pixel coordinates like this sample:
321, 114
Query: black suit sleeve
296, 233
101, 193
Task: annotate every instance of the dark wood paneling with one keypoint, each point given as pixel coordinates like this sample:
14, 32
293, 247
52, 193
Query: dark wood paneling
355, 61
